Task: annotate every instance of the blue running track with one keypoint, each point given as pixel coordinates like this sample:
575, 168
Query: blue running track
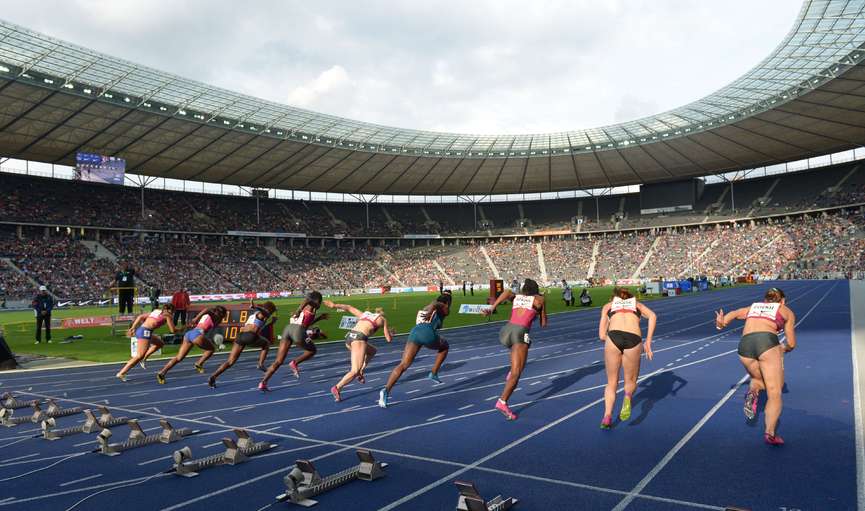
686, 446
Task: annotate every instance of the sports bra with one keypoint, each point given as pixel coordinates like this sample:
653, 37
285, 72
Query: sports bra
619, 305
303, 319
158, 317
433, 318
205, 323
768, 311
372, 318
523, 312
254, 321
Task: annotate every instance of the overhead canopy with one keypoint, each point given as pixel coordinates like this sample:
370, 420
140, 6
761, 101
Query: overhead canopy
805, 99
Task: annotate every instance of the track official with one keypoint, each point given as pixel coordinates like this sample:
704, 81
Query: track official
43, 304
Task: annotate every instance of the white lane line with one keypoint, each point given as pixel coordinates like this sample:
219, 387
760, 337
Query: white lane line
214, 444
435, 417
243, 409
268, 430
184, 401
535, 383
676, 448
21, 457
312, 418
217, 419
491, 398
466, 407
154, 460
413, 391
7, 499
89, 442
301, 433
857, 338
461, 378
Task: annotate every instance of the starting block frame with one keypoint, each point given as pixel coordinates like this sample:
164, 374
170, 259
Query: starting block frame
11, 402
235, 452
137, 438
91, 424
54, 410
470, 499
304, 481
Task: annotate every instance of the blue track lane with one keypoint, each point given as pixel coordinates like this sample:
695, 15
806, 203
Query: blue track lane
686, 446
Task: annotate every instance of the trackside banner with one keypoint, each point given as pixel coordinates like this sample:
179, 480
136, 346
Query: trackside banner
474, 308
347, 322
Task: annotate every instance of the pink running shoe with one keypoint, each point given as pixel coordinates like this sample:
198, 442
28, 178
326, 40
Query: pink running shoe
607, 422
773, 439
506, 411
294, 369
263, 387
335, 392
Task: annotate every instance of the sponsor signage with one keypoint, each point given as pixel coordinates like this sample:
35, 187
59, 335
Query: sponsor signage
474, 308
347, 322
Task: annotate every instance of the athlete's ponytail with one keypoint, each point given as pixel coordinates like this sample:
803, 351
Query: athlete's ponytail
623, 293
530, 287
774, 295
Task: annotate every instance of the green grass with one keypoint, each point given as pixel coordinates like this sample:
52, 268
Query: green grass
99, 346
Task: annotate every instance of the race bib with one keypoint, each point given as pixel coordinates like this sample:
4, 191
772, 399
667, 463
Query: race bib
354, 336
146, 333
296, 320
764, 310
422, 317
526, 338
524, 302
619, 305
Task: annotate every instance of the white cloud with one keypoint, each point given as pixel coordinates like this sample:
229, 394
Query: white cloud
320, 88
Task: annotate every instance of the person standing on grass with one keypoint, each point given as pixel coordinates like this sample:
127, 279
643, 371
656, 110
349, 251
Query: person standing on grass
125, 281
357, 342
619, 330
43, 304
180, 301
423, 334
514, 335
567, 293
763, 355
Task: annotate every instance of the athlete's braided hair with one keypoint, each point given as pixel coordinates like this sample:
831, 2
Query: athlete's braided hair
312, 298
774, 295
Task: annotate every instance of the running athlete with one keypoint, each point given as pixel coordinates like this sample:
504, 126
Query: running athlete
147, 342
527, 305
762, 354
295, 332
619, 330
357, 342
204, 321
250, 335
423, 334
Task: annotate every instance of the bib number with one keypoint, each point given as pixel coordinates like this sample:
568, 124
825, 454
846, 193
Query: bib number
526, 339
524, 302
421, 317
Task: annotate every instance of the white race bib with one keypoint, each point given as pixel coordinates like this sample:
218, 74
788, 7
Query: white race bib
524, 302
422, 317
764, 310
296, 320
619, 305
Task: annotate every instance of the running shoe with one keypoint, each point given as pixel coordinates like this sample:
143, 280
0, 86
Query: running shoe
263, 387
335, 393
261, 368
383, 398
607, 422
506, 411
750, 408
211, 382
294, 369
361, 378
160, 378
121, 377
625, 413
198, 369
773, 439
37, 342
434, 377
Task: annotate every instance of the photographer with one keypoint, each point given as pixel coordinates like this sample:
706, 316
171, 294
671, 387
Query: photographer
43, 304
125, 282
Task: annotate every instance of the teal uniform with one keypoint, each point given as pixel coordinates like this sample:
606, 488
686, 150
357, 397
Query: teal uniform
426, 334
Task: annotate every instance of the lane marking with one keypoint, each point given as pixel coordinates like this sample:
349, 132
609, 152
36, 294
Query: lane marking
301, 433
435, 417
466, 407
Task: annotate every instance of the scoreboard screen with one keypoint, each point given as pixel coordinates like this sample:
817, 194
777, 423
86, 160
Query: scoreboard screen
99, 169
671, 196
230, 327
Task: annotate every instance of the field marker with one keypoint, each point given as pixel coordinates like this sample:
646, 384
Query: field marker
466, 407
413, 391
435, 418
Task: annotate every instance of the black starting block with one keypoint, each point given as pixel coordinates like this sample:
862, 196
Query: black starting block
471, 500
235, 452
91, 424
304, 481
9, 401
38, 416
137, 438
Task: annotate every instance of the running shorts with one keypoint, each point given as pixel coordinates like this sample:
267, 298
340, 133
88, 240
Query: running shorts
756, 343
624, 340
512, 334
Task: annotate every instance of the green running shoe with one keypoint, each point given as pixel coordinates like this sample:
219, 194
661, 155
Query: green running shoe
625, 414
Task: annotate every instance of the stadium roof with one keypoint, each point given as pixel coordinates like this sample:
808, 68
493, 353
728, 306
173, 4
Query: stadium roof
807, 98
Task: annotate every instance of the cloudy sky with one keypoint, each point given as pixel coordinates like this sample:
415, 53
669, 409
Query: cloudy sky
489, 66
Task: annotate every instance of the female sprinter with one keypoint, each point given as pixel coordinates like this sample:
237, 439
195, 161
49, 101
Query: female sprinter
619, 329
205, 321
147, 342
761, 353
527, 305
295, 332
424, 333
249, 336
357, 342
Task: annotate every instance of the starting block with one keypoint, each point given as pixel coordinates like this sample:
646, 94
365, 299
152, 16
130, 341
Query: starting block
137, 438
9, 401
471, 500
304, 481
91, 424
38, 416
235, 452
